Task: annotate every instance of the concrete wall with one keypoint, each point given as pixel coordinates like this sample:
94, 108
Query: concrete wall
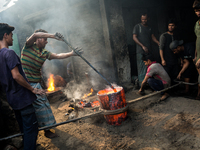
118, 40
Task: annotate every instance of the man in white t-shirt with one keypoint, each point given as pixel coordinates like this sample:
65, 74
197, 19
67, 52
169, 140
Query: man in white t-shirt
156, 76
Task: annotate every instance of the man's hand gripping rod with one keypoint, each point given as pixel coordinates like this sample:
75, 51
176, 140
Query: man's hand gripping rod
86, 62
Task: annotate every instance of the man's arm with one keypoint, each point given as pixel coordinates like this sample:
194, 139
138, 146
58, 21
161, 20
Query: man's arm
139, 43
195, 56
185, 66
61, 55
30, 41
162, 57
143, 83
65, 55
154, 39
20, 80
162, 43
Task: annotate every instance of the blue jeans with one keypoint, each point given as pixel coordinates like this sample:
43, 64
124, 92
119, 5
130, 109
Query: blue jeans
155, 84
28, 124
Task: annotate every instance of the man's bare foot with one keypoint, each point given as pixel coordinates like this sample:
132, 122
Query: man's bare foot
164, 97
50, 134
142, 93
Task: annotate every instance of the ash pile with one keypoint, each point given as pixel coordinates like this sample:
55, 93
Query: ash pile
75, 100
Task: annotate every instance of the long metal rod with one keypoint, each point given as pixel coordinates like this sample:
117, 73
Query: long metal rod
187, 83
87, 62
104, 112
154, 93
55, 125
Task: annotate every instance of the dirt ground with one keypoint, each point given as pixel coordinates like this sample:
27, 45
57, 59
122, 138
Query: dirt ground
173, 124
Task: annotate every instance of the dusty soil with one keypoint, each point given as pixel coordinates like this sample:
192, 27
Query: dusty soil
173, 124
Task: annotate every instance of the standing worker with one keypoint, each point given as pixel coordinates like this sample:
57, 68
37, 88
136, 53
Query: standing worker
142, 35
186, 53
168, 59
33, 56
20, 94
196, 7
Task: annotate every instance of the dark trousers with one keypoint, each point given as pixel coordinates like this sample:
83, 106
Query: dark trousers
172, 70
155, 84
28, 124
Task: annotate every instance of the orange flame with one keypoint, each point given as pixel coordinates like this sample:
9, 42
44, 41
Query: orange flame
86, 95
51, 83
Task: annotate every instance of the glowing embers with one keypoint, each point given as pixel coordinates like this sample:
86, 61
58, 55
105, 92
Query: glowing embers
111, 100
51, 86
82, 104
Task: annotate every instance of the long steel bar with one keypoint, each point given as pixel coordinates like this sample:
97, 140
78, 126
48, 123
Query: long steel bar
74, 49
154, 93
186, 82
55, 125
104, 112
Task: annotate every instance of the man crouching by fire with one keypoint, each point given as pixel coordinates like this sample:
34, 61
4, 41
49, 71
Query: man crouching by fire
33, 56
156, 77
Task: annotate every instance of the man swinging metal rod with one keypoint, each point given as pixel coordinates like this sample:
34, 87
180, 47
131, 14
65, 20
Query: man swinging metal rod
74, 49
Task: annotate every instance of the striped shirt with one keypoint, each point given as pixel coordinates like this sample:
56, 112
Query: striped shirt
32, 60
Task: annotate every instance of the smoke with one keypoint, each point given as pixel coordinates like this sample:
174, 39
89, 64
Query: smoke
75, 91
78, 21
5, 4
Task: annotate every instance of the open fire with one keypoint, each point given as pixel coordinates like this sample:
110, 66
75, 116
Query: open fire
51, 86
55, 84
86, 95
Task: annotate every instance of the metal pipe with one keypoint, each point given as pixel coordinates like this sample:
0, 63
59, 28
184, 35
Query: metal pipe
87, 62
154, 93
55, 125
186, 82
104, 112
